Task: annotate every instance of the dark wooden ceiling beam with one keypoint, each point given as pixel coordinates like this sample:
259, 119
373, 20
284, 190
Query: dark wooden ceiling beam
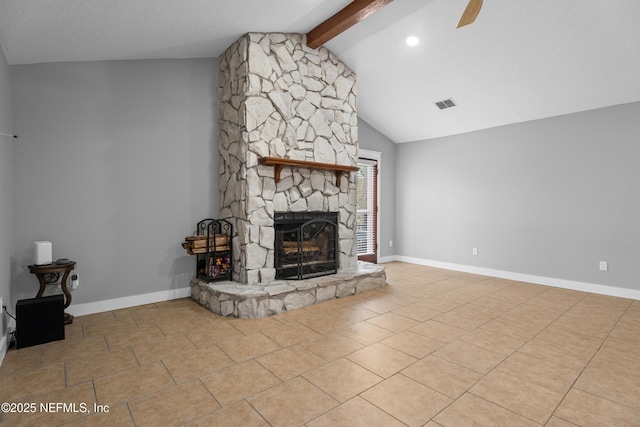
353, 13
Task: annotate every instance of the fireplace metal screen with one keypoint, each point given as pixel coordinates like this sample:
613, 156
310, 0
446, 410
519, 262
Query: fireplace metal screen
306, 244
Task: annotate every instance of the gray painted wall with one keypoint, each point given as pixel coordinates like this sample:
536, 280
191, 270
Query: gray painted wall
6, 148
549, 198
370, 139
117, 162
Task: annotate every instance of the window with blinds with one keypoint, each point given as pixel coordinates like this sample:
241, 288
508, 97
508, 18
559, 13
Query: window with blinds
366, 218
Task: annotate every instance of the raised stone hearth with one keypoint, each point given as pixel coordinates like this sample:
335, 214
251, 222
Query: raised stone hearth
248, 301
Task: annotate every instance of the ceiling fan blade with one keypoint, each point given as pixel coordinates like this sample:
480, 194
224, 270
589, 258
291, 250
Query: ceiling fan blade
470, 13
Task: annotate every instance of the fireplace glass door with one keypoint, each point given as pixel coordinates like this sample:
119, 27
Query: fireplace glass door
306, 245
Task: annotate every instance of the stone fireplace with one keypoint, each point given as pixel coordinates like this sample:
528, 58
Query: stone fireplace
281, 99
288, 146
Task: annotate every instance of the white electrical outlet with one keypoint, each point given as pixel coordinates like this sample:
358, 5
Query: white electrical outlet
474, 251
604, 265
74, 279
390, 243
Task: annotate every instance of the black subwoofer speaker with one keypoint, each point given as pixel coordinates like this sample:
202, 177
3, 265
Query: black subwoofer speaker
39, 320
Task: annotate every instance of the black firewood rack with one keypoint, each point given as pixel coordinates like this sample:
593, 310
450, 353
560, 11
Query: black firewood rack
216, 261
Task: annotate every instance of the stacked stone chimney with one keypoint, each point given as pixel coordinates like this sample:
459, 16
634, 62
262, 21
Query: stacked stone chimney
279, 98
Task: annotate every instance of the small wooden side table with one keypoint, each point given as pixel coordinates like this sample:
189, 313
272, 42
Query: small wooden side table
43, 270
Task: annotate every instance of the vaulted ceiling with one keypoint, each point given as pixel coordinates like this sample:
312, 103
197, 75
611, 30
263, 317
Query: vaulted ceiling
520, 60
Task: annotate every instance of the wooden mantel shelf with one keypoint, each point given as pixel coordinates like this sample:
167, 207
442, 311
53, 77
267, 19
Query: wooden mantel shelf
279, 163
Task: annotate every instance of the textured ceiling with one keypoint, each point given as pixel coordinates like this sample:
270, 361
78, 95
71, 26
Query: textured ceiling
521, 60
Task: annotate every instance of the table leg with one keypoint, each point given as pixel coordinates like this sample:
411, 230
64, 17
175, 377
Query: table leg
43, 285
65, 290
68, 319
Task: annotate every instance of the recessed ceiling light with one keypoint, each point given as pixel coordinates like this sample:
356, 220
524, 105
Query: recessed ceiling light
413, 41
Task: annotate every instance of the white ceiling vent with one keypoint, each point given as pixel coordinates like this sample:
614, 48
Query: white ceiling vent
447, 103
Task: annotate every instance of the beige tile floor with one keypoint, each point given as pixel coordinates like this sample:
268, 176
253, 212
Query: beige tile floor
434, 348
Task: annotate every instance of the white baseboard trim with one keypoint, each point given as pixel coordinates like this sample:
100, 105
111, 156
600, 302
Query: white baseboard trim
4, 340
125, 302
539, 280
384, 259
4, 344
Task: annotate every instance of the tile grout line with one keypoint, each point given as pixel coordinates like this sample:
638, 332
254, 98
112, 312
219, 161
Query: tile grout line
548, 328
587, 365
468, 390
